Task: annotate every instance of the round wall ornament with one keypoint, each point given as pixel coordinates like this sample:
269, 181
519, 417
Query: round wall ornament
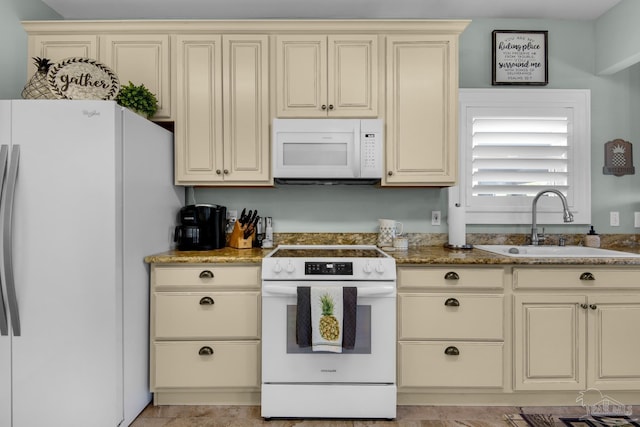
82, 78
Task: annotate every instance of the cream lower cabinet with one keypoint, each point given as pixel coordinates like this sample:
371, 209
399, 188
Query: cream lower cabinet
450, 327
214, 74
327, 76
205, 334
421, 117
576, 328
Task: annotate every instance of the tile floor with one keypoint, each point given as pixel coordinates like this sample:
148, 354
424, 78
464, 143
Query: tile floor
407, 416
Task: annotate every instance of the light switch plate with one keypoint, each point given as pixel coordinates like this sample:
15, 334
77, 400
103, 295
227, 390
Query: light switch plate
435, 217
636, 219
614, 219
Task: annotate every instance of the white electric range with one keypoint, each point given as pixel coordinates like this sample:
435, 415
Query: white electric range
358, 382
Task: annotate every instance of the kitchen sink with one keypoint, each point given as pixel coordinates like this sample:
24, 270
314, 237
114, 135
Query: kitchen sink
527, 251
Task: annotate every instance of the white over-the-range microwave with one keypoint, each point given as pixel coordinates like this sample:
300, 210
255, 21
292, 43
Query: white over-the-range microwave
327, 149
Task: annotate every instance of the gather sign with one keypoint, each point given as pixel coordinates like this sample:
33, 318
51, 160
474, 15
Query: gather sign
82, 78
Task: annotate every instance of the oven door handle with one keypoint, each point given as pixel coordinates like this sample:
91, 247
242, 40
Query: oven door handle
362, 292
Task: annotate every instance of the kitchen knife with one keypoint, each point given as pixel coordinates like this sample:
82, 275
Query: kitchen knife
242, 216
251, 228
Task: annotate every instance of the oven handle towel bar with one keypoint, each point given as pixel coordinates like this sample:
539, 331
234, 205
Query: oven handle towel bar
362, 292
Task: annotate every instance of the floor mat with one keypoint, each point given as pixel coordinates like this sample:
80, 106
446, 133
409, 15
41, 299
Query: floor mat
549, 420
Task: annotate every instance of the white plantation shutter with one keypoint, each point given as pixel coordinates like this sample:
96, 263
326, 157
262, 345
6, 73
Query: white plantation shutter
514, 144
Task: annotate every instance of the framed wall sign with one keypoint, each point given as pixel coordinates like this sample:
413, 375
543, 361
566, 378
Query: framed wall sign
519, 58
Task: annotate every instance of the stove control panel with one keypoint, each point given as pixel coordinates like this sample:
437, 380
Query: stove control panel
328, 268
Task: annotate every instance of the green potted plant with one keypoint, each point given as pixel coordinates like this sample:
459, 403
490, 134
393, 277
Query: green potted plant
138, 99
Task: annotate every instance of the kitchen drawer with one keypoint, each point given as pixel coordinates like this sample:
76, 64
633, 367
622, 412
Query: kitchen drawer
206, 315
579, 277
425, 364
435, 316
206, 275
450, 277
232, 364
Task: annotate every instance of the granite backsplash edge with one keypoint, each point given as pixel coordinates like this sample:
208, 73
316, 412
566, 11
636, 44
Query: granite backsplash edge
438, 239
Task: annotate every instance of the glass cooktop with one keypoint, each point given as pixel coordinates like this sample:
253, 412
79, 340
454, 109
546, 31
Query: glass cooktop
345, 251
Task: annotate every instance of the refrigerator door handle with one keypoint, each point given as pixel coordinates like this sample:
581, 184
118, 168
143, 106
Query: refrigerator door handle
7, 239
4, 154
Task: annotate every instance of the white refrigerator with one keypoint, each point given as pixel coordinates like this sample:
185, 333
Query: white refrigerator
87, 192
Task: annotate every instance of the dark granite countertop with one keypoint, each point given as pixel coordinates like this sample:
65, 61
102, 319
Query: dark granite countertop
414, 255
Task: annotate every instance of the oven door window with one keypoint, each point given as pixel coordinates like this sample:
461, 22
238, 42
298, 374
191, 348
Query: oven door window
363, 332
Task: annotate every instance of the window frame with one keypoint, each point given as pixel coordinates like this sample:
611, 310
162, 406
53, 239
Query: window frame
549, 208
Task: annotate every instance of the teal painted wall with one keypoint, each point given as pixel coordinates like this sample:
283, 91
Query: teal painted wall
572, 64
13, 49
618, 38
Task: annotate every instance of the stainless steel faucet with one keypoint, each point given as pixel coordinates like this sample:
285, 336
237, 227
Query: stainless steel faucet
568, 216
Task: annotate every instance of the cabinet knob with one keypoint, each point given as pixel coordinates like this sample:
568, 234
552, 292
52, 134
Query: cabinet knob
330, 106
218, 171
585, 306
452, 302
324, 107
451, 275
390, 173
206, 274
452, 351
206, 301
587, 276
226, 171
593, 306
205, 351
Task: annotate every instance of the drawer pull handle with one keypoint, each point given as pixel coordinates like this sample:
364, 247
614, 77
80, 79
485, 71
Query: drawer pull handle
585, 306
206, 274
451, 275
206, 301
452, 351
587, 276
452, 302
593, 306
205, 351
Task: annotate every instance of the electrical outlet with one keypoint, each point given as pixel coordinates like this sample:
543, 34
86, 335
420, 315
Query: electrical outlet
232, 217
614, 219
636, 219
435, 217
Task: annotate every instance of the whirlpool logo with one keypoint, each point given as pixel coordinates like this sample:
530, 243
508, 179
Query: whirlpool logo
329, 371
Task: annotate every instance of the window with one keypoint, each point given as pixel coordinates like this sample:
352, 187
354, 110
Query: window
514, 143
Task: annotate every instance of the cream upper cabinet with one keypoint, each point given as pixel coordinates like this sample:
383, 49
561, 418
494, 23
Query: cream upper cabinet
421, 115
216, 73
327, 76
576, 340
61, 46
141, 59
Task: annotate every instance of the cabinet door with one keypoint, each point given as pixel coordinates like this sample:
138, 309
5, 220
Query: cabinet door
301, 72
58, 46
141, 59
246, 107
614, 342
198, 128
421, 138
550, 342
353, 76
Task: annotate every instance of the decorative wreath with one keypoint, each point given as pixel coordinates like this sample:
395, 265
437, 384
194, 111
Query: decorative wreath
82, 78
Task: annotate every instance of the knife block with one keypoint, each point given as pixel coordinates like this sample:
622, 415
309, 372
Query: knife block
237, 239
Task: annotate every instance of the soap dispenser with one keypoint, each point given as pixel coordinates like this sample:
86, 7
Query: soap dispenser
592, 239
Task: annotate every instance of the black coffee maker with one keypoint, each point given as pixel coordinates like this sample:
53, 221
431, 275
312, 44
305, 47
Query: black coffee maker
202, 227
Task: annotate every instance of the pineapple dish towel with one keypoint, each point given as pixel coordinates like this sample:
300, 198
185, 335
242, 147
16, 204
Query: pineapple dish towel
326, 319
